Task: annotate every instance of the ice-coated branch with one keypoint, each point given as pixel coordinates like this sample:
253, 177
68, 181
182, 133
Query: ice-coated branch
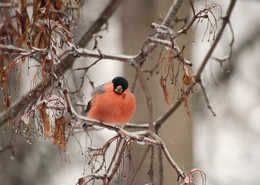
144, 136
16, 108
160, 120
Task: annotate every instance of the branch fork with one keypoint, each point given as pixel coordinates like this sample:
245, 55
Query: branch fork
141, 137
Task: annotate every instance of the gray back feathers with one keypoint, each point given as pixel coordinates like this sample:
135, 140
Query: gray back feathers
98, 90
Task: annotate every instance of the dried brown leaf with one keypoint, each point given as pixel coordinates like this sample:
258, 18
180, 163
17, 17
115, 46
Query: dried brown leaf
46, 39
45, 118
165, 92
7, 103
58, 133
23, 4
187, 80
59, 4
25, 18
38, 36
42, 43
19, 20
22, 41
2, 34
35, 8
5, 57
14, 31
184, 97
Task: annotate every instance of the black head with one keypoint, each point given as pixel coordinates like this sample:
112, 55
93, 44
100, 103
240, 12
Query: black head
120, 85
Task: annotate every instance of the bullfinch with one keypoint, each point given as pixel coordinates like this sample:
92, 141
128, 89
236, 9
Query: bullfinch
112, 102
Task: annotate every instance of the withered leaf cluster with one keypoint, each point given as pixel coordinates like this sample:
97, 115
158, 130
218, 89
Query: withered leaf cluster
58, 133
42, 35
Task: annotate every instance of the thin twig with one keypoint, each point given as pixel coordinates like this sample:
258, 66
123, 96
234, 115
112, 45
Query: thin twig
9, 5
151, 171
11, 48
119, 159
160, 160
140, 164
68, 61
146, 136
130, 163
179, 171
139, 126
30, 97
145, 51
160, 120
104, 55
169, 44
114, 156
206, 97
219, 35
99, 22
148, 96
172, 12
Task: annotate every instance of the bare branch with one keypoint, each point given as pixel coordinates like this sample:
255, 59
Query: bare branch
9, 5
104, 55
140, 126
151, 171
119, 159
145, 136
68, 61
172, 12
11, 49
78, 123
147, 95
101, 20
15, 109
169, 44
212, 48
140, 164
160, 120
206, 98
160, 160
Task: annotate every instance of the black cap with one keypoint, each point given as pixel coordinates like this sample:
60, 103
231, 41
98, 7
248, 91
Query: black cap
120, 81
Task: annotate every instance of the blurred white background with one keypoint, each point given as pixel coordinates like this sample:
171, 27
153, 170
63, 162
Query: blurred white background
225, 147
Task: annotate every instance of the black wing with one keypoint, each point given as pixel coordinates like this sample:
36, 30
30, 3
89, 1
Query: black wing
88, 106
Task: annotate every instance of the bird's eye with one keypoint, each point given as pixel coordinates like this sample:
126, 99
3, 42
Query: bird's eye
119, 89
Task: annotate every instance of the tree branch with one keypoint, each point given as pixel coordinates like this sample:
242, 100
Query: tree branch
148, 96
172, 12
16, 108
160, 120
219, 35
144, 136
142, 56
99, 22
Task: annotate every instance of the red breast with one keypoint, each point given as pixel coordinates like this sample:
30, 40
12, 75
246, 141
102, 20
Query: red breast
110, 107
